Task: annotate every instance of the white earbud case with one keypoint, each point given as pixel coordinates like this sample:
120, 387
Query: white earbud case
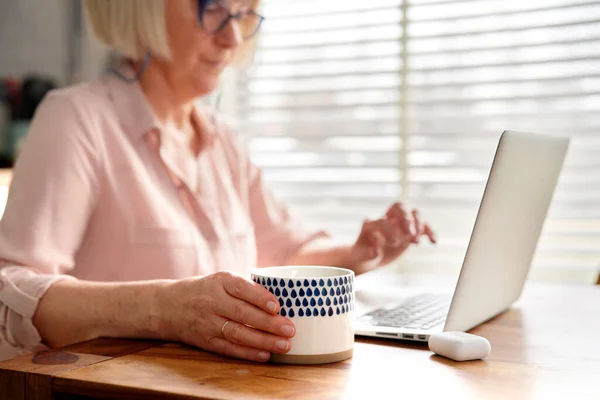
459, 346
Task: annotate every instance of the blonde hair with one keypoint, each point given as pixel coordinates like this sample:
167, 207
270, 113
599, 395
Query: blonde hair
132, 27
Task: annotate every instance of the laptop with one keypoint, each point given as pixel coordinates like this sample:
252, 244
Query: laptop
511, 215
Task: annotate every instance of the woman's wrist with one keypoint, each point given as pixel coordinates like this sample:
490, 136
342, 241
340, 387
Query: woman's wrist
159, 321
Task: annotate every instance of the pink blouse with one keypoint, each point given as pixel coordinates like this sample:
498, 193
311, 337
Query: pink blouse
97, 194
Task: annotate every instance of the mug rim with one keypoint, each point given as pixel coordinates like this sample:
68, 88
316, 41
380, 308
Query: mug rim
261, 271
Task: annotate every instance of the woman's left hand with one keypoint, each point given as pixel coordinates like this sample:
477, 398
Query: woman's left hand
382, 241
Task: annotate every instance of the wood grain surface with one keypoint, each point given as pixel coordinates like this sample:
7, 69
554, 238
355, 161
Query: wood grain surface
545, 347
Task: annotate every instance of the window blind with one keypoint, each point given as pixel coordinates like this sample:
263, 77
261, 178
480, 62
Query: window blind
353, 105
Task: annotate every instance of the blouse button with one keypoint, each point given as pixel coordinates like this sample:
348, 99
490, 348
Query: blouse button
154, 138
176, 180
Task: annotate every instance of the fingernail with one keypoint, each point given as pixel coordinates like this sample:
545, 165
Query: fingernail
271, 306
287, 330
263, 355
282, 345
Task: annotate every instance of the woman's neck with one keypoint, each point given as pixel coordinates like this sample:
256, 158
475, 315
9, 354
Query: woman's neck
167, 104
174, 112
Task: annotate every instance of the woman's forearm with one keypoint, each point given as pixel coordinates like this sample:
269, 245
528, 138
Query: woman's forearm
322, 251
75, 311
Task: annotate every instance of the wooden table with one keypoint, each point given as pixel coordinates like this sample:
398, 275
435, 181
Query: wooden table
546, 346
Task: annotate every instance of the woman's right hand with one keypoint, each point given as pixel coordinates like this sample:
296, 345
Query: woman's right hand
224, 313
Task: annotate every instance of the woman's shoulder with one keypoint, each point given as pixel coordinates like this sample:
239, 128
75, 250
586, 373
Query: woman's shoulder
86, 95
67, 115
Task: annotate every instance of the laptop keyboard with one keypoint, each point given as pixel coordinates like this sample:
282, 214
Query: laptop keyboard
420, 312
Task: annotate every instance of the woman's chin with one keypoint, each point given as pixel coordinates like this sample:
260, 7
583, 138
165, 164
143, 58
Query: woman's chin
205, 87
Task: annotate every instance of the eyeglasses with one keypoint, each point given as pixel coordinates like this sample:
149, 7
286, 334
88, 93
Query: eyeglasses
214, 17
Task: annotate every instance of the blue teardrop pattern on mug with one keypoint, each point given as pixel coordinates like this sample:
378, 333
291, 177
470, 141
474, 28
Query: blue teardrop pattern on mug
311, 297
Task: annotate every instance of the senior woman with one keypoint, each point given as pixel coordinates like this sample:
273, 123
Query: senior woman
135, 213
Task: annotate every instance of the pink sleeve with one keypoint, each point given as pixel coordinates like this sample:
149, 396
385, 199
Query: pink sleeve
50, 201
278, 235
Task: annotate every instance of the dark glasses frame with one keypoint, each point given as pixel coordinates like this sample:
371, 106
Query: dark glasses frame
203, 5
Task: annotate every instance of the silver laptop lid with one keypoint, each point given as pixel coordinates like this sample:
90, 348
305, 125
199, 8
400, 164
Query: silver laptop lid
508, 225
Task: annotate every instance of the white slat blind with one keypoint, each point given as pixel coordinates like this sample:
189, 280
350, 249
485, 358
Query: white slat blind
347, 114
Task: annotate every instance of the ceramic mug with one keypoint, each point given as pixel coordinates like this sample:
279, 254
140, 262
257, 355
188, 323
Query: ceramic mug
320, 303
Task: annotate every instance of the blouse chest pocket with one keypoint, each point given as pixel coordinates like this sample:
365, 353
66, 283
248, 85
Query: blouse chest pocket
157, 252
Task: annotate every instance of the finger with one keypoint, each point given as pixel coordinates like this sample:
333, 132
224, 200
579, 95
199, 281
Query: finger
417, 228
251, 292
430, 234
249, 337
398, 215
240, 311
223, 346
